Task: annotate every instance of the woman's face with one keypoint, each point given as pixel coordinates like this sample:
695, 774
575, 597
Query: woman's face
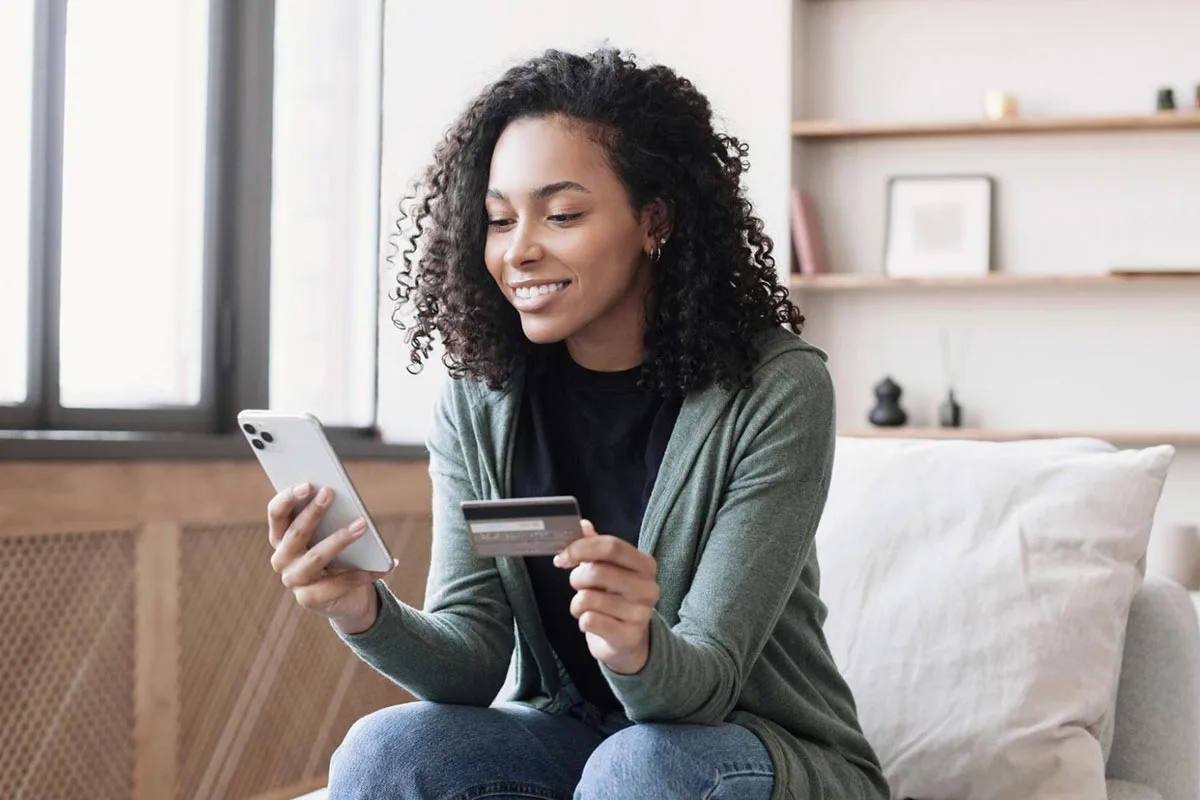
564, 243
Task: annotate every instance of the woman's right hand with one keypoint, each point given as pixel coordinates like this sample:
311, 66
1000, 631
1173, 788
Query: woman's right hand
345, 597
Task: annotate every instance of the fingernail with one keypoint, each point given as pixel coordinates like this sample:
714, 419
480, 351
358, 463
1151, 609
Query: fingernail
358, 527
395, 563
301, 490
560, 560
324, 496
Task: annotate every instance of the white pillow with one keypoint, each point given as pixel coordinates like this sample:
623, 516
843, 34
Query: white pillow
978, 595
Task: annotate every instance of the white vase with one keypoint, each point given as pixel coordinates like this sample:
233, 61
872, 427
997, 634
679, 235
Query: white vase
1174, 553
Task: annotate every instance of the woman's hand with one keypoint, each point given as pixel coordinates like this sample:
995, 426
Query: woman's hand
616, 591
347, 597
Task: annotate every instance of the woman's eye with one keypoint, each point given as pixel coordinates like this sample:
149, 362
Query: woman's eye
564, 217
499, 223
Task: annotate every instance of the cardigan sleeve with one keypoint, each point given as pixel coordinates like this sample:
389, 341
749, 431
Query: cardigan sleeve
457, 650
752, 560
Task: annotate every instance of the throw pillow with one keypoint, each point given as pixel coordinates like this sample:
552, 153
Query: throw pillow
978, 595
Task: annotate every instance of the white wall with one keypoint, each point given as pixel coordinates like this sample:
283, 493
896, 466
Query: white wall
1093, 358
439, 54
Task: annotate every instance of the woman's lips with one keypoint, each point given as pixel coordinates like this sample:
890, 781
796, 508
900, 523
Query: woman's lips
530, 300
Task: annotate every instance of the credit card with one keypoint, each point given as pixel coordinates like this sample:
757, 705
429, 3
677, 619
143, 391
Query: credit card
525, 526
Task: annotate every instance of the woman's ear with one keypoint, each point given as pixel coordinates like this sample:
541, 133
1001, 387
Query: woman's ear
657, 222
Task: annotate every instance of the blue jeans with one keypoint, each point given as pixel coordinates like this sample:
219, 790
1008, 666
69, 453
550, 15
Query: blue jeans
428, 751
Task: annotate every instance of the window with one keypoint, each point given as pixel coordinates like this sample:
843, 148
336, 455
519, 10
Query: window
189, 212
16, 125
325, 209
132, 252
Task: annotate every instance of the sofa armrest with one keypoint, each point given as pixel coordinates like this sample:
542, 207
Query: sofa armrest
1156, 740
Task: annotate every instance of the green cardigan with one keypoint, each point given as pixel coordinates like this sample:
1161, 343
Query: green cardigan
736, 636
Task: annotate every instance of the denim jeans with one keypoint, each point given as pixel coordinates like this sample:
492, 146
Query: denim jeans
429, 751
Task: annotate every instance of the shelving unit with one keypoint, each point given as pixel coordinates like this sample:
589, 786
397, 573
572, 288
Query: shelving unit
842, 282
1117, 438
831, 130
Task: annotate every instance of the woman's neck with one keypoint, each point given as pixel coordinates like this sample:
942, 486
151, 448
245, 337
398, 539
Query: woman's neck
611, 349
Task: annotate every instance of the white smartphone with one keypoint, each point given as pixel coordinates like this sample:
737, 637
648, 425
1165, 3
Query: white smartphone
293, 449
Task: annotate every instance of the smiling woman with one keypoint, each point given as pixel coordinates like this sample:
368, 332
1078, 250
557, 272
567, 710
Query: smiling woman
609, 306
611, 179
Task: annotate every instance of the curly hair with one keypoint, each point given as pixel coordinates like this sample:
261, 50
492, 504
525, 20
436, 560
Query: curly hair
715, 286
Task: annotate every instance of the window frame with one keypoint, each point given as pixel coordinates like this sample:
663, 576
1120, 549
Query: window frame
237, 263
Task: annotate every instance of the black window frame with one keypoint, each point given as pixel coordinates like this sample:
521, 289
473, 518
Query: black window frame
237, 264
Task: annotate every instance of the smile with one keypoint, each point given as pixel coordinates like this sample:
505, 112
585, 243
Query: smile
534, 299
532, 292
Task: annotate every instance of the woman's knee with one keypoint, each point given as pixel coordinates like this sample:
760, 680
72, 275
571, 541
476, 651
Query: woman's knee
387, 748
643, 756
665, 760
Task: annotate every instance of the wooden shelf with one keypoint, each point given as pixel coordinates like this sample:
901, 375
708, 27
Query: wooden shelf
846, 281
979, 434
826, 130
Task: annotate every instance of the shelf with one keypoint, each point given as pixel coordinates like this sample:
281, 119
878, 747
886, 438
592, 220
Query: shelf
979, 434
826, 130
846, 281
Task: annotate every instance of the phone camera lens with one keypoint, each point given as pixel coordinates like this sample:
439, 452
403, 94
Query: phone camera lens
248, 428
257, 443
266, 437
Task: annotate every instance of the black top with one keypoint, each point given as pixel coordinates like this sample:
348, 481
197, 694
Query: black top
599, 437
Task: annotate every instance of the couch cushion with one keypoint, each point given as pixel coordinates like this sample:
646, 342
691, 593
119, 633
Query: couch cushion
1123, 790
977, 596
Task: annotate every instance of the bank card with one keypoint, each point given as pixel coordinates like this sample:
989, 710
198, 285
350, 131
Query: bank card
525, 526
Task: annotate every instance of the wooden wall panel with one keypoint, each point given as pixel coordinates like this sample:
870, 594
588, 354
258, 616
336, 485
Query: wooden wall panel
66, 665
161, 657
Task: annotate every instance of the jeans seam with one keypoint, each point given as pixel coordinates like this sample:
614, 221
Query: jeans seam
744, 772
510, 789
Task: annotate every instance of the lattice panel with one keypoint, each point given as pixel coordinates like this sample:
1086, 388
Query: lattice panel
67, 666
267, 691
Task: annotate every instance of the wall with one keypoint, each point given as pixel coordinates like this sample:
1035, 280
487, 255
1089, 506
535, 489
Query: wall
438, 55
1122, 358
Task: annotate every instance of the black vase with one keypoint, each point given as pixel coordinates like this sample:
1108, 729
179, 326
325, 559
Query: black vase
887, 412
950, 412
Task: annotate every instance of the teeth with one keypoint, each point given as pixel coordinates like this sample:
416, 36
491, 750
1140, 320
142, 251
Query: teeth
530, 292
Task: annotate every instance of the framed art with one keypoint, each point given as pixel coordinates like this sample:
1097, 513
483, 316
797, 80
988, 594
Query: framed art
939, 226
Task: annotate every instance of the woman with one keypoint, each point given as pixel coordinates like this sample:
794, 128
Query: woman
610, 310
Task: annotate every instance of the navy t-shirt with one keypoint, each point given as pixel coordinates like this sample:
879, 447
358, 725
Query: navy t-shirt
599, 437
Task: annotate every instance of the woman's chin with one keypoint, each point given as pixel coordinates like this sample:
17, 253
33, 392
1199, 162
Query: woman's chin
544, 331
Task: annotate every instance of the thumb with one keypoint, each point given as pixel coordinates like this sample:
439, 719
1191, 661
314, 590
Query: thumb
588, 528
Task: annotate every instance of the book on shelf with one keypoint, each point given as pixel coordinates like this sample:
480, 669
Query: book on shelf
806, 234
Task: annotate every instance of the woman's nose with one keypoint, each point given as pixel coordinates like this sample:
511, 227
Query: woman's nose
523, 248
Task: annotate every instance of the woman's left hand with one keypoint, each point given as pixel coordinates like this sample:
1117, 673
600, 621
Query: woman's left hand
616, 589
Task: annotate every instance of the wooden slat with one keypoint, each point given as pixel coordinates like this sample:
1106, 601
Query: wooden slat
829, 130
37, 497
156, 662
853, 281
981, 434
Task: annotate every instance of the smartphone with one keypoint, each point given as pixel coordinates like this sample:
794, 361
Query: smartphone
293, 449
523, 526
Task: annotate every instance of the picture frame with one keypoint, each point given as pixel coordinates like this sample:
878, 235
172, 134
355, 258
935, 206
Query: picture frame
939, 226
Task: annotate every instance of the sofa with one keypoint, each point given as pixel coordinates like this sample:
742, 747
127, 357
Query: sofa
989, 607
1138, 728
1156, 733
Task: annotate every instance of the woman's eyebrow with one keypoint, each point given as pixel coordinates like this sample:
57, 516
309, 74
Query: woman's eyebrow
542, 192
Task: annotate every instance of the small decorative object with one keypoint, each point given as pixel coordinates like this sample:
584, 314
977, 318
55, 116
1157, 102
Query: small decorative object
939, 226
950, 412
806, 234
1174, 553
1166, 99
887, 412
1001, 105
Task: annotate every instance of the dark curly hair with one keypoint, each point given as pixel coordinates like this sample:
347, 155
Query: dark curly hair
715, 286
